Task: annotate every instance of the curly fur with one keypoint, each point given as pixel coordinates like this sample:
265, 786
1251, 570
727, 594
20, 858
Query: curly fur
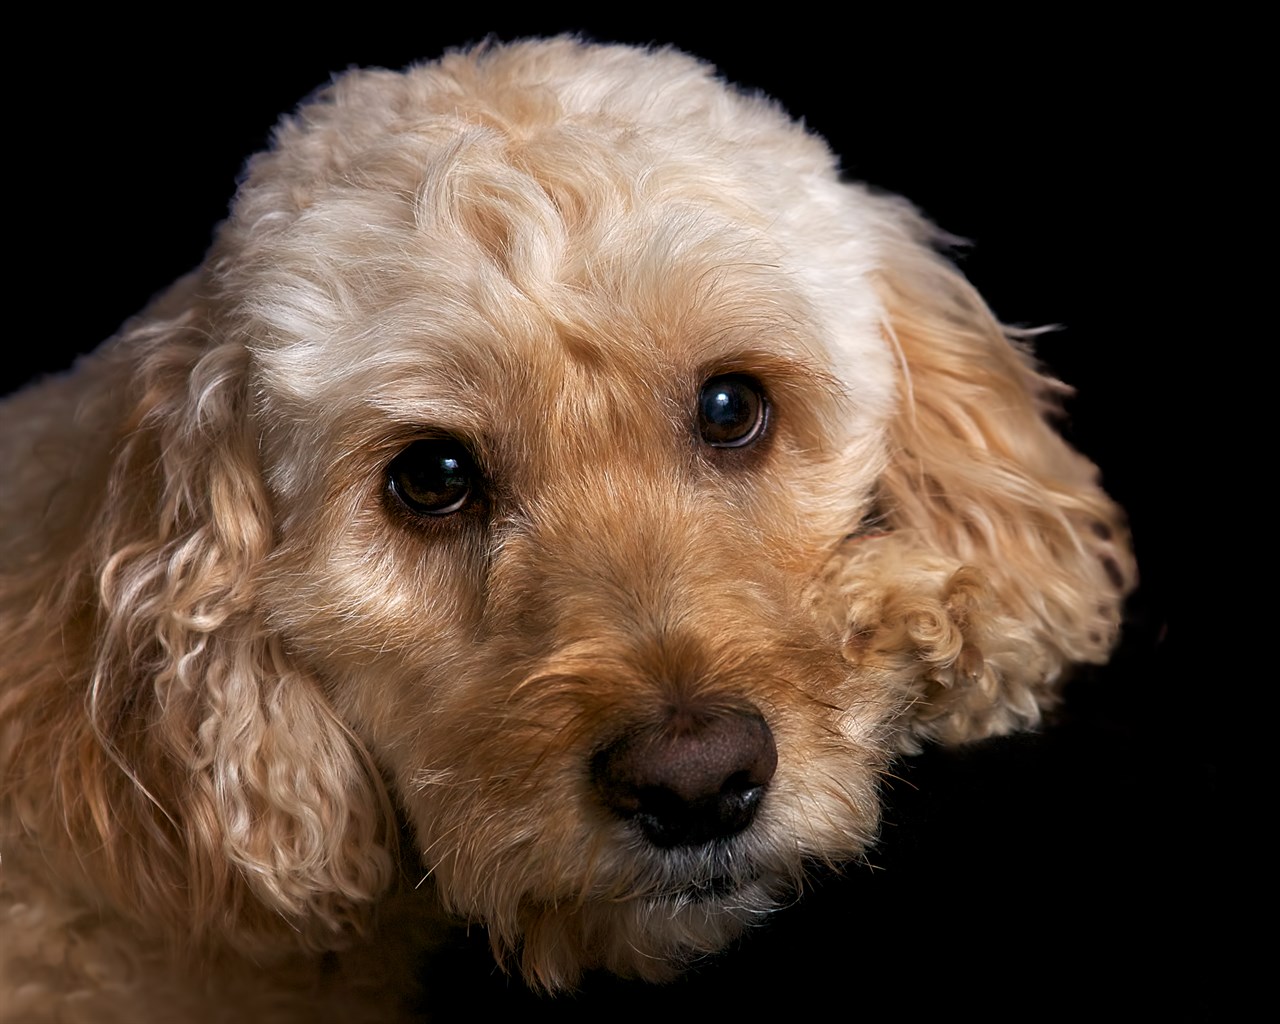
237, 678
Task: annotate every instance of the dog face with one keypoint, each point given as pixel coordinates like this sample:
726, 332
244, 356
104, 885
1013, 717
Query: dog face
576, 456
555, 454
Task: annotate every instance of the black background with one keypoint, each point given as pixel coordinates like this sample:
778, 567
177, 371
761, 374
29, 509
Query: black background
1082, 869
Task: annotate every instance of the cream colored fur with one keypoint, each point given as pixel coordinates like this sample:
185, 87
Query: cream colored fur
232, 665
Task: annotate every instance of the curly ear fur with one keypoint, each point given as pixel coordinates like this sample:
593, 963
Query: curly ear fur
199, 779
1003, 561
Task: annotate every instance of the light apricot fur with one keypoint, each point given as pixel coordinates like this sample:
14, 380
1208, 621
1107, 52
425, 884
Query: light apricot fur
232, 667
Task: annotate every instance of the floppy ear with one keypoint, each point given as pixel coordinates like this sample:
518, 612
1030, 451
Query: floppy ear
202, 779
1003, 562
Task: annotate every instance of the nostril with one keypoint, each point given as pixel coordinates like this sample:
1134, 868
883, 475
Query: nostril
688, 780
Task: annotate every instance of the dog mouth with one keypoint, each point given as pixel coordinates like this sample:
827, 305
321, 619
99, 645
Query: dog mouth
719, 872
713, 889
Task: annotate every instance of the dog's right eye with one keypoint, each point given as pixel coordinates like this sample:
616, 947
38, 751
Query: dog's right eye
732, 411
434, 477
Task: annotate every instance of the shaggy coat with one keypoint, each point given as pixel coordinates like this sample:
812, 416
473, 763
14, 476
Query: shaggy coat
547, 424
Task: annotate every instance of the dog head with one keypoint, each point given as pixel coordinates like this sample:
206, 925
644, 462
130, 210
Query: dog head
552, 453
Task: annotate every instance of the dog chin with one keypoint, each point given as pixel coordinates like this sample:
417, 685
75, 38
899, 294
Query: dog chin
653, 938
648, 912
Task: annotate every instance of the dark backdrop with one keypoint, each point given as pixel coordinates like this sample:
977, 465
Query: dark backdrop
1078, 869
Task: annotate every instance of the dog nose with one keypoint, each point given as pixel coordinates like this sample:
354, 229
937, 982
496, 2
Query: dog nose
690, 779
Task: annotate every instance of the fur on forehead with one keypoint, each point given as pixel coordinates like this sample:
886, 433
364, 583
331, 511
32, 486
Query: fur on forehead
590, 203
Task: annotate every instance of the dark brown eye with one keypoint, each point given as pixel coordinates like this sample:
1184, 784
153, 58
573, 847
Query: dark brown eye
434, 477
731, 411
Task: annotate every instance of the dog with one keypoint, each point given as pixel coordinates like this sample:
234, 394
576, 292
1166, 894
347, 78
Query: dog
553, 504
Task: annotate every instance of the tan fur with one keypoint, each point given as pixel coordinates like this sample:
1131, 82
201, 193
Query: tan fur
232, 665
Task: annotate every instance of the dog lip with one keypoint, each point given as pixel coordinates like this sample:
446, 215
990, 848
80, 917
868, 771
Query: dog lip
717, 887
721, 874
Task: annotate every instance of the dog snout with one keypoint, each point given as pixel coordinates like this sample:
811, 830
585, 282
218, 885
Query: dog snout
690, 779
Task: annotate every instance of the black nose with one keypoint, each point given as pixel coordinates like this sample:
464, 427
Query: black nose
690, 779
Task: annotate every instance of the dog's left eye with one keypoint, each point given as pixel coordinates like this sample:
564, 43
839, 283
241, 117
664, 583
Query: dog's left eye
434, 477
731, 411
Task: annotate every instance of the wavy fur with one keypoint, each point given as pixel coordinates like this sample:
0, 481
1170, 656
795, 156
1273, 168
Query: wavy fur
237, 673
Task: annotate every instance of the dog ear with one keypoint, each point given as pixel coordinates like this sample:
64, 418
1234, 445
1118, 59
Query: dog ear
1003, 562
204, 777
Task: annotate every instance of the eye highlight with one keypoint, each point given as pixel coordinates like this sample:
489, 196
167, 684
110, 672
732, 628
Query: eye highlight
732, 411
434, 477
